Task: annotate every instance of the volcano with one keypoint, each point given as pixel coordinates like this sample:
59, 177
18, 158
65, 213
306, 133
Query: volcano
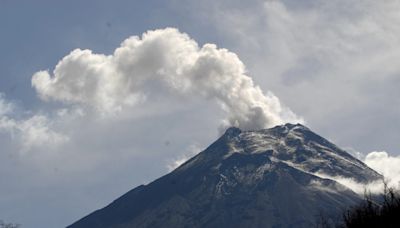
262, 178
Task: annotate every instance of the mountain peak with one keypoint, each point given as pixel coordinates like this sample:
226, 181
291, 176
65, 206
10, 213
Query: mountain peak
262, 178
233, 131
292, 126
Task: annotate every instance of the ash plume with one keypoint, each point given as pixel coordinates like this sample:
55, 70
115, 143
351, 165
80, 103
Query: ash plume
162, 62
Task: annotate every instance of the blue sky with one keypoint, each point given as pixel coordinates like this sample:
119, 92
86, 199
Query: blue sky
330, 64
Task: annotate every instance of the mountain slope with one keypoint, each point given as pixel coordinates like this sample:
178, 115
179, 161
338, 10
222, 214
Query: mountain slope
263, 178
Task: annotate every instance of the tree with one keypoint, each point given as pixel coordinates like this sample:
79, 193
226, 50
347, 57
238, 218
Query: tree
8, 225
371, 214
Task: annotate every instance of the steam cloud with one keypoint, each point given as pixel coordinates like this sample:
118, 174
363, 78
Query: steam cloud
380, 161
385, 164
163, 61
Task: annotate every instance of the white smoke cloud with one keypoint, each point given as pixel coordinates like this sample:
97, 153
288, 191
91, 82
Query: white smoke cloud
5, 107
162, 63
385, 164
36, 130
191, 151
374, 187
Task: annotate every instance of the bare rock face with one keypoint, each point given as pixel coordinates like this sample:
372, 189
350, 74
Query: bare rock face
265, 178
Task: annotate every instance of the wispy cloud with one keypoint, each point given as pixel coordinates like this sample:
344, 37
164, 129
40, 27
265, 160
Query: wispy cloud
190, 152
35, 130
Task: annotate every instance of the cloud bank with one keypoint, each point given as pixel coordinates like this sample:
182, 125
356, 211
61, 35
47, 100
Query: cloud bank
380, 161
385, 164
162, 63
